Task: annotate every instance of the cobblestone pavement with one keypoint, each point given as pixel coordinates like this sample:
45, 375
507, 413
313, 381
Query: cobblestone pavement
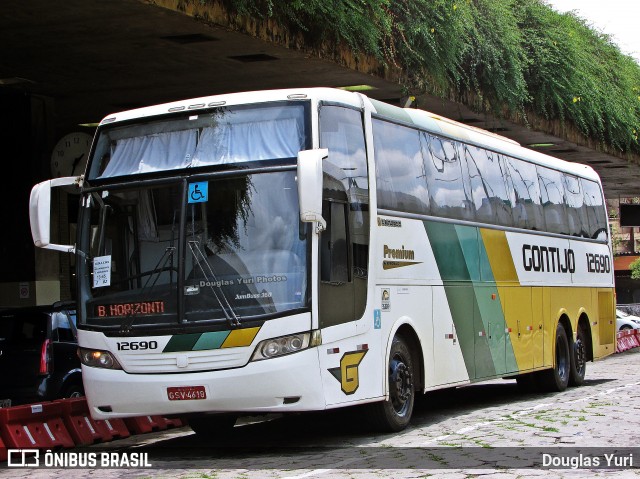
490, 431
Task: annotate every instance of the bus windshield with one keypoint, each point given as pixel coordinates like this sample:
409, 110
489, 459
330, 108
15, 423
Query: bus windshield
151, 258
222, 136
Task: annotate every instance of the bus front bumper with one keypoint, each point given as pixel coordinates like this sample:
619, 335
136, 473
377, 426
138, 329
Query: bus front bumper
288, 383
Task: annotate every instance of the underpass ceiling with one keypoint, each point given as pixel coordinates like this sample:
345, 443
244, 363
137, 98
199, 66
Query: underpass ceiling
94, 58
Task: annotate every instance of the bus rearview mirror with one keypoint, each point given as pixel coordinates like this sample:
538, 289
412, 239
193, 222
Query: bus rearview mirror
310, 186
40, 213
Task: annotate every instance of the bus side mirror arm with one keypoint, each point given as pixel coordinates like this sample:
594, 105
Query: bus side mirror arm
40, 213
310, 186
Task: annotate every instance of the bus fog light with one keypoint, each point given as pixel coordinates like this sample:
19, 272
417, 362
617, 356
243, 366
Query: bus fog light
271, 348
98, 359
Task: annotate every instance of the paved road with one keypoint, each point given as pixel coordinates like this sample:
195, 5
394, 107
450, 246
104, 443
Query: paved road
491, 430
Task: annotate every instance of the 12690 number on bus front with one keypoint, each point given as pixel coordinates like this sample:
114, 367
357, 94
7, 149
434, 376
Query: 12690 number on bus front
185, 393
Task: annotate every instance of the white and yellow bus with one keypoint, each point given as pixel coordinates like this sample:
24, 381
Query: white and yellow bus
308, 249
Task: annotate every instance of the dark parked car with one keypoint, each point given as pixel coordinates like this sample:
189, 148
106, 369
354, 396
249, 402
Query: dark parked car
38, 360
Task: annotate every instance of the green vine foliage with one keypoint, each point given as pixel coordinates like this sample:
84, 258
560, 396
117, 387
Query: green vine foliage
635, 269
518, 55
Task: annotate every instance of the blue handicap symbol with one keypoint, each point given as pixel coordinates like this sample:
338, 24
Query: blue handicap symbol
199, 192
377, 319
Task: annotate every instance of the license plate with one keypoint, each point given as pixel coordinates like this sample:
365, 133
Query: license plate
186, 393
5, 402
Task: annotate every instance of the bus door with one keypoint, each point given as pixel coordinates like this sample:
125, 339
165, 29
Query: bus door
349, 370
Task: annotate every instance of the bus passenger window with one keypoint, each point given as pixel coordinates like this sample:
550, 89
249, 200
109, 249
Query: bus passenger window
525, 194
449, 193
595, 210
553, 200
576, 213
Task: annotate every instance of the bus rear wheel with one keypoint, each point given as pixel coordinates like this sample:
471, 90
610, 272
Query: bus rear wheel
557, 379
579, 359
394, 414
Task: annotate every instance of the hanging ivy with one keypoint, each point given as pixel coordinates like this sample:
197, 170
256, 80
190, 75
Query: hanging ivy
515, 54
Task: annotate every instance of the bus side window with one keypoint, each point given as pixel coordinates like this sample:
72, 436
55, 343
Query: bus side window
595, 210
448, 188
576, 213
527, 208
334, 261
553, 200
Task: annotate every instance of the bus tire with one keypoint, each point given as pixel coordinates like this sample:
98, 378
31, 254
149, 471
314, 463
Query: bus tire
394, 414
579, 358
557, 379
212, 425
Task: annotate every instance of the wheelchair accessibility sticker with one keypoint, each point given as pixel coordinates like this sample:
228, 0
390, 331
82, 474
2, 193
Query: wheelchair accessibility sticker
199, 192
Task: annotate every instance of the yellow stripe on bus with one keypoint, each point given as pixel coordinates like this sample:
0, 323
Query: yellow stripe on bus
240, 337
497, 247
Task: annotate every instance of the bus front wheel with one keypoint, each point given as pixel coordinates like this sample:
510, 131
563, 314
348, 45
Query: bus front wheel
394, 414
557, 379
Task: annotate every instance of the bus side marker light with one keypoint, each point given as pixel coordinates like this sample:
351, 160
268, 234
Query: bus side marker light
333, 350
507, 330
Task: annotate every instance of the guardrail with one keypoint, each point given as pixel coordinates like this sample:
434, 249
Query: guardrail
66, 423
627, 339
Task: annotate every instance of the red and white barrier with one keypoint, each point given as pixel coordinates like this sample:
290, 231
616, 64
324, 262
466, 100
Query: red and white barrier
3, 451
146, 424
66, 423
627, 339
83, 429
34, 426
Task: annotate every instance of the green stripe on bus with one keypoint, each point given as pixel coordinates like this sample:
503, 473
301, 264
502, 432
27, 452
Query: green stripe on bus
473, 298
495, 312
211, 340
181, 342
455, 276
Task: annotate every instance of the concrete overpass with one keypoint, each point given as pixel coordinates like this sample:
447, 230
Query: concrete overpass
69, 63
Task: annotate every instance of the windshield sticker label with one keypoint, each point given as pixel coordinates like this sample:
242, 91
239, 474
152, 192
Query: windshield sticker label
386, 299
101, 271
130, 309
199, 192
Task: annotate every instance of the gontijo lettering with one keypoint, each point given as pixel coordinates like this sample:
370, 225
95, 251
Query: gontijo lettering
548, 259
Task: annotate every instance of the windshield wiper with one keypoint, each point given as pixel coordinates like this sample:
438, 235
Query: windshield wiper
161, 266
200, 259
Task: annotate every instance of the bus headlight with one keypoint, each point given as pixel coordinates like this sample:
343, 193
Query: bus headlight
274, 347
98, 359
